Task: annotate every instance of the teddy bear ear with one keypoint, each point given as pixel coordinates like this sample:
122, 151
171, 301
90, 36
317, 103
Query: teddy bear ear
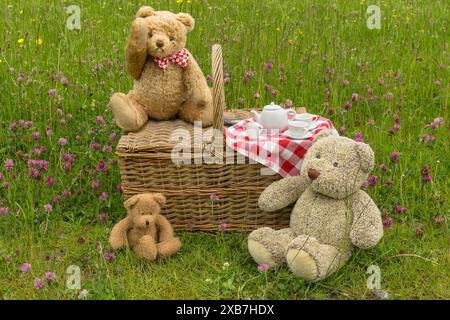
159, 197
131, 202
145, 11
326, 133
187, 20
366, 156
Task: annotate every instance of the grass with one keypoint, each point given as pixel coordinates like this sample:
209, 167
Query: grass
313, 46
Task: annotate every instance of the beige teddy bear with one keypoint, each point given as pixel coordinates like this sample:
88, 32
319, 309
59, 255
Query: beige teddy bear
149, 234
331, 215
167, 80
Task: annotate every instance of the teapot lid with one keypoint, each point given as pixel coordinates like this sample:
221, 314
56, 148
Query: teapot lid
272, 107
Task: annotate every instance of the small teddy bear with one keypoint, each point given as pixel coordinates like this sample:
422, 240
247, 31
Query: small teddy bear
168, 82
149, 234
331, 215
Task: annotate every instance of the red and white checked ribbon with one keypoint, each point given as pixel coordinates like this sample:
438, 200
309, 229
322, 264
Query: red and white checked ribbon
278, 152
181, 58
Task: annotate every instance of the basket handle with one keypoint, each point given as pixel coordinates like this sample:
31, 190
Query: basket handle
218, 87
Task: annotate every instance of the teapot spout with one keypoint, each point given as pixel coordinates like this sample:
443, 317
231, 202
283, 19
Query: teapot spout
257, 116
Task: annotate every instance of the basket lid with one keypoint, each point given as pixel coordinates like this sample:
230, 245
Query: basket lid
163, 136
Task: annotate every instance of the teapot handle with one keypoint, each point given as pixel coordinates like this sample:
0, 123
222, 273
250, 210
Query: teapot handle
291, 111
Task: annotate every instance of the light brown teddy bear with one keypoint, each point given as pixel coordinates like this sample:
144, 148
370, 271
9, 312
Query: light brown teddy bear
167, 80
149, 234
331, 215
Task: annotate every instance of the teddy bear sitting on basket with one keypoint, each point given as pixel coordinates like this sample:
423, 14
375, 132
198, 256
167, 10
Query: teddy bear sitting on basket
168, 82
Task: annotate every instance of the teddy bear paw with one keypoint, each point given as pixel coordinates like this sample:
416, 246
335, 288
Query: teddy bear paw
302, 264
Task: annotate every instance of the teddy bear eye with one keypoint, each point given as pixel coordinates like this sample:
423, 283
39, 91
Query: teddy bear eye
317, 156
335, 164
150, 34
171, 38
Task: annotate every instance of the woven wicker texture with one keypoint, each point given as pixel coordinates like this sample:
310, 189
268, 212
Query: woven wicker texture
200, 196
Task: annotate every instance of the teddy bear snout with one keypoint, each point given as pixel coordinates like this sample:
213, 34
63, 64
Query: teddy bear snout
160, 43
313, 174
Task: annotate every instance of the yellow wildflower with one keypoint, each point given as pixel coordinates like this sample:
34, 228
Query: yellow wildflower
39, 41
21, 40
180, 1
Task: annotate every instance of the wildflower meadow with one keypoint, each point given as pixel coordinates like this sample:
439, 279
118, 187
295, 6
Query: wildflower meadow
60, 186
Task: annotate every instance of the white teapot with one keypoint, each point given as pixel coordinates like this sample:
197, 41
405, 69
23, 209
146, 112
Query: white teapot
273, 117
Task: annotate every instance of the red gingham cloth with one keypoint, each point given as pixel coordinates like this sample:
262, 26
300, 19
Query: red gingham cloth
278, 152
181, 58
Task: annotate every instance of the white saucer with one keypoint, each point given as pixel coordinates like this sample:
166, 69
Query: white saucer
306, 136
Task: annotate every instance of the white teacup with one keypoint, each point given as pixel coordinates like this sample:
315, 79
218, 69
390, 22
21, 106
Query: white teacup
298, 128
307, 117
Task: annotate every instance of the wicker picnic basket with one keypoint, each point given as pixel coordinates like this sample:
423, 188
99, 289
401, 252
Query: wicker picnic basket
199, 196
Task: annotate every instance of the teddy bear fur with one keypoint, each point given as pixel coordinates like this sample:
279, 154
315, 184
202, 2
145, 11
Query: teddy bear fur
161, 94
331, 214
148, 233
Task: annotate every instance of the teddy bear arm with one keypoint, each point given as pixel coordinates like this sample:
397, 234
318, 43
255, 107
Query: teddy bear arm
367, 227
195, 83
282, 193
136, 50
165, 228
117, 237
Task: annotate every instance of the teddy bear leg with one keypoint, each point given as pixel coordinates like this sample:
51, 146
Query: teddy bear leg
269, 246
129, 114
191, 112
311, 260
146, 248
168, 247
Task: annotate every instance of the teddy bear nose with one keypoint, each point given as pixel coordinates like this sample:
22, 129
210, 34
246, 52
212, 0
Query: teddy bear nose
147, 222
313, 174
159, 43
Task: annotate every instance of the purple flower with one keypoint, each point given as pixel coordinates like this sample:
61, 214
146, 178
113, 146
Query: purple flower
39, 284
64, 80
101, 166
99, 120
48, 208
396, 118
104, 196
112, 137
35, 135
9, 164
62, 141
347, 105
13, 126
268, 66
355, 97
345, 82
389, 182
401, 209
359, 137
56, 199
67, 193
427, 178
5, 185
288, 103
81, 239
95, 145
425, 170
95, 184
256, 95
223, 226
107, 149
383, 167
419, 231
50, 276
263, 267
215, 196
428, 138
119, 188
4, 211
437, 83
372, 180
109, 256
394, 157
389, 96
51, 92
387, 223
25, 267
371, 122
365, 185
103, 217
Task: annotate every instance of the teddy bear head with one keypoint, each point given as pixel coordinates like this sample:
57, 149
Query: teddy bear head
337, 166
167, 31
143, 208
